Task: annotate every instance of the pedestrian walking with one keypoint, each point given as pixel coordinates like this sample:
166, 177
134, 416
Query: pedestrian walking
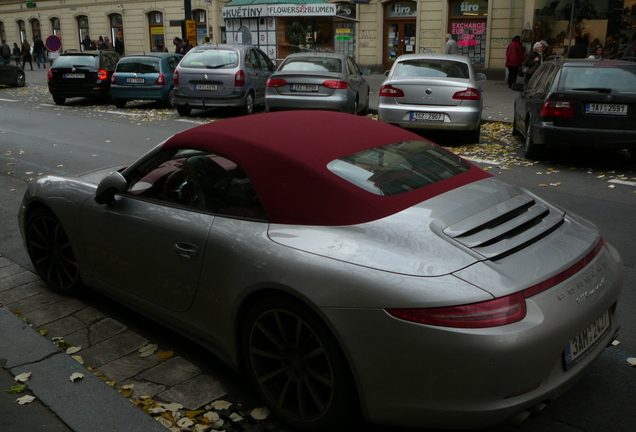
119, 46
534, 59
38, 52
103, 45
186, 46
515, 55
26, 54
5, 51
86, 42
159, 47
579, 49
178, 45
451, 46
17, 54
597, 54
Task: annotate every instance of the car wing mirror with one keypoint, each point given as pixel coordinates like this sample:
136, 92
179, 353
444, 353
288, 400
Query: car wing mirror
110, 185
480, 77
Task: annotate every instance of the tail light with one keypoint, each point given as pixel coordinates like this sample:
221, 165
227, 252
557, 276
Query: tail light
491, 313
102, 74
239, 79
112, 79
557, 108
49, 75
175, 78
161, 80
276, 82
390, 91
468, 94
336, 84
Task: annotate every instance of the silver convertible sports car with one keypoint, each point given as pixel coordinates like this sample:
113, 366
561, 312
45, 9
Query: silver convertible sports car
351, 269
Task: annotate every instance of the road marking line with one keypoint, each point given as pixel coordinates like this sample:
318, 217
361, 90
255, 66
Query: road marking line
477, 160
121, 113
190, 121
622, 182
8, 100
54, 106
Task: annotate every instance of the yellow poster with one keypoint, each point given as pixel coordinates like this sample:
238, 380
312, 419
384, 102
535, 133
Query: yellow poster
191, 32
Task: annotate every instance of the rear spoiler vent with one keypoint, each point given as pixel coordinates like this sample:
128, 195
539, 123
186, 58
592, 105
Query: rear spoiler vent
507, 227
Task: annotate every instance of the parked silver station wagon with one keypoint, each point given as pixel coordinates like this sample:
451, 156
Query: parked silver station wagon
214, 76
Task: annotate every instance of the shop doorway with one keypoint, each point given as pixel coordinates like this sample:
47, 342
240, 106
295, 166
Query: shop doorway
399, 31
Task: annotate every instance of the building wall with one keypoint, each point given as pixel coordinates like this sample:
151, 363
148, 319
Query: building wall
506, 18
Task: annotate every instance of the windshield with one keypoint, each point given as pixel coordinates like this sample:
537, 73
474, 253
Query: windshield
138, 65
211, 58
398, 168
432, 68
312, 64
77, 61
601, 79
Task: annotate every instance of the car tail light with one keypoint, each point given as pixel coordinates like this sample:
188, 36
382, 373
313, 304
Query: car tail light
491, 313
336, 84
557, 108
175, 78
276, 82
102, 74
49, 75
239, 79
161, 80
112, 79
390, 91
468, 94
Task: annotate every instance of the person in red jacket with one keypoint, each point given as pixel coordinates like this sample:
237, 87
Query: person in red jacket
515, 55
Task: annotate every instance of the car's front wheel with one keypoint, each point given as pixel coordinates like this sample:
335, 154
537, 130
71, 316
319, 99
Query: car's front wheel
184, 110
119, 103
59, 100
51, 252
170, 101
297, 366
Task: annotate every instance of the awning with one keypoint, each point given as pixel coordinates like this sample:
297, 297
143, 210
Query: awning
265, 8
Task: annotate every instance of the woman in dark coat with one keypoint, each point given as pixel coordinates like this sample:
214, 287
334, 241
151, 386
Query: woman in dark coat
534, 59
26, 54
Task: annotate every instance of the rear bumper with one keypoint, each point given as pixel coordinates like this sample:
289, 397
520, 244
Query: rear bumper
335, 102
235, 99
459, 118
79, 90
152, 93
548, 134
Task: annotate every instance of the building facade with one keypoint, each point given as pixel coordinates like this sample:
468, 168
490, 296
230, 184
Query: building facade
374, 32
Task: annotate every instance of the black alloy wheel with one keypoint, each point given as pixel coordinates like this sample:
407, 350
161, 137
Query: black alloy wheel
530, 149
51, 253
296, 365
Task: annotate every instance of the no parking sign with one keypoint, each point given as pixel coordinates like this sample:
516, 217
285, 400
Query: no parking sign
53, 43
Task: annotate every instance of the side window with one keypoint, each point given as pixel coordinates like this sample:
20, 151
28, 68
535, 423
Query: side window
265, 61
199, 180
256, 64
537, 79
248, 60
353, 66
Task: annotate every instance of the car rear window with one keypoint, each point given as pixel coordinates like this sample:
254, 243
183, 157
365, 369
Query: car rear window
398, 168
211, 58
431, 68
605, 79
77, 61
323, 64
138, 65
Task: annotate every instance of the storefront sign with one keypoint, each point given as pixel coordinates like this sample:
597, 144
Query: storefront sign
346, 10
249, 11
469, 7
467, 31
401, 10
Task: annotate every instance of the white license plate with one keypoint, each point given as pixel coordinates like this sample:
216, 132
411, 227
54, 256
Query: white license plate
424, 116
74, 75
612, 109
135, 80
304, 87
586, 341
206, 87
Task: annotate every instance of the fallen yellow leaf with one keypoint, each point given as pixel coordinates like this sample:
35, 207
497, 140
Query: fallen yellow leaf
165, 354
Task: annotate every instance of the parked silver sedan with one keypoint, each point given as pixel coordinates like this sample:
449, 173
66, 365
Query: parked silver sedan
366, 270
318, 81
431, 91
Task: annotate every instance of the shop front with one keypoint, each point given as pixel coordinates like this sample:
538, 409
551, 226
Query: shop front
282, 28
399, 31
467, 23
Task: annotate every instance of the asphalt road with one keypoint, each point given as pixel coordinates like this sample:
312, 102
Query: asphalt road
38, 137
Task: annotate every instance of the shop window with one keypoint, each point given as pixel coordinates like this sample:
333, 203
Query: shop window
201, 24
117, 32
467, 25
55, 25
155, 23
22, 30
83, 28
35, 28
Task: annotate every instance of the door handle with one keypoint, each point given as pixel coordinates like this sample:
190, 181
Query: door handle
186, 250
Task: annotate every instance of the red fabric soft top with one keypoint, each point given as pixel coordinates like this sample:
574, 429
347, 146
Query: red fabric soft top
285, 155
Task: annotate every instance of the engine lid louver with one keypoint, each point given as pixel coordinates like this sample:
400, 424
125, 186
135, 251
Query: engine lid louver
506, 227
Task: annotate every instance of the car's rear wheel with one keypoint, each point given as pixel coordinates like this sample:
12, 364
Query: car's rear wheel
530, 149
51, 252
365, 110
515, 131
20, 79
170, 101
297, 366
184, 110
120, 103
248, 108
59, 100
355, 105
472, 137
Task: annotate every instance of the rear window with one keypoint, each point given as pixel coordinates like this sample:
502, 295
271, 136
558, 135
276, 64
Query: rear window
138, 65
211, 59
77, 61
432, 68
398, 168
604, 79
323, 64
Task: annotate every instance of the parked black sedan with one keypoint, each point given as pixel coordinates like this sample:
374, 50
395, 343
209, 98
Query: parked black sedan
577, 104
10, 74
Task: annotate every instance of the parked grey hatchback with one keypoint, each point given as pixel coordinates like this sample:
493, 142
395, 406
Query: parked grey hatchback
217, 76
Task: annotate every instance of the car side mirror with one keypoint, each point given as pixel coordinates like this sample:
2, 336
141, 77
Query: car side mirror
110, 185
480, 77
517, 87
